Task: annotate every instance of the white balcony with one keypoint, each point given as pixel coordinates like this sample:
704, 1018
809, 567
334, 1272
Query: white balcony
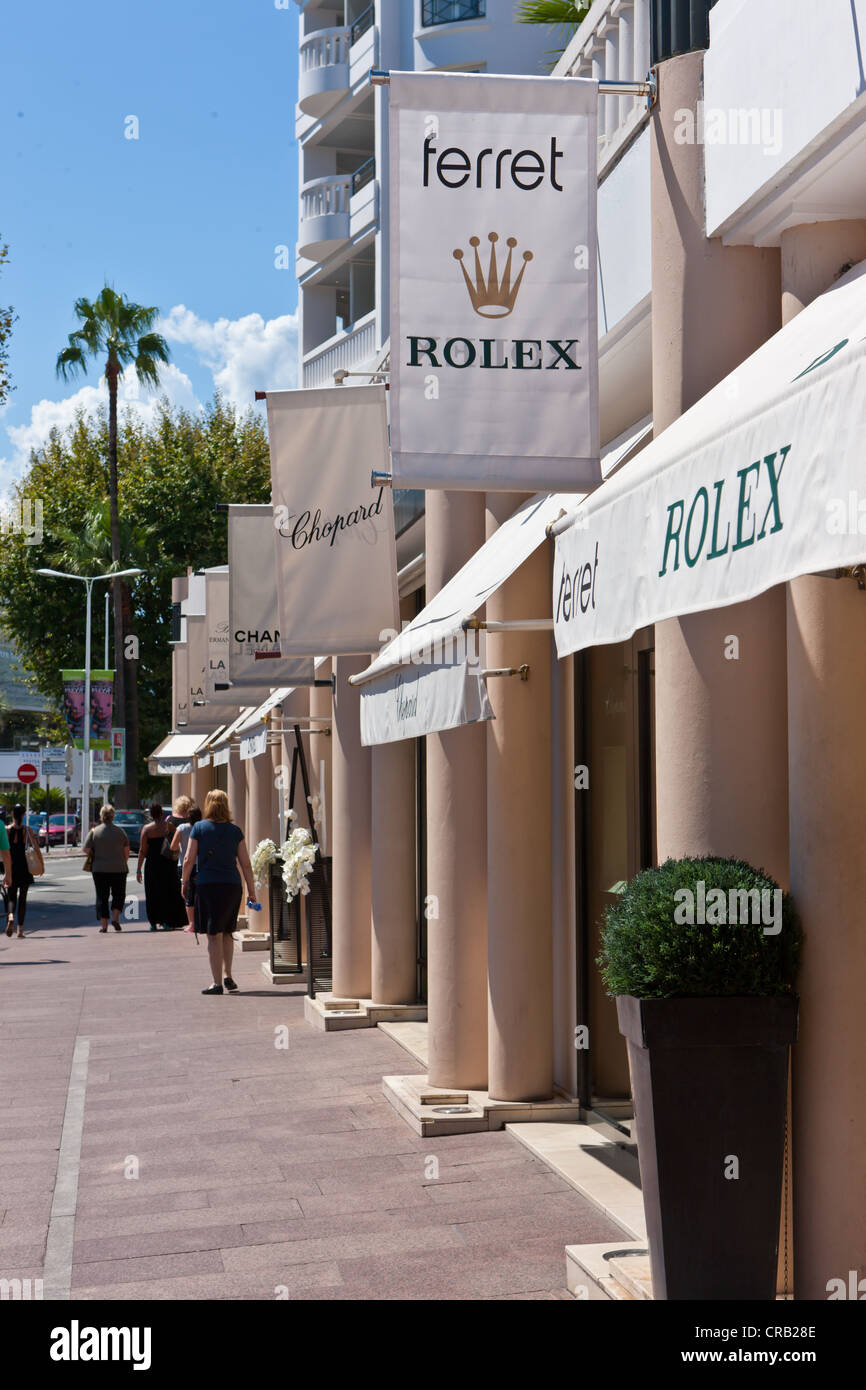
323, 77
352, 351
612, 45
335, 210
332, 64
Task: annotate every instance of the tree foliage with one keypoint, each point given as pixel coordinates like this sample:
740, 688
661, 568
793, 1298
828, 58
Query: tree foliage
173, 472
564, 15
7, 318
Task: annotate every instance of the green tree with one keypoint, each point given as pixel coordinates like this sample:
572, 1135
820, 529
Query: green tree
176, 469
7, 318
564, 15
121, 333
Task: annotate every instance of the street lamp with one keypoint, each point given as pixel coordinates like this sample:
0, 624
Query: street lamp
88, 582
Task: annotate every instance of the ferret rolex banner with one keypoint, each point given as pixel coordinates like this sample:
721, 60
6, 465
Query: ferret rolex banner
101, 706
255, 660
494, 361
333, 531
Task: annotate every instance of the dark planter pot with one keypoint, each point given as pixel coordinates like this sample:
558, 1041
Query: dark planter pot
709, 1082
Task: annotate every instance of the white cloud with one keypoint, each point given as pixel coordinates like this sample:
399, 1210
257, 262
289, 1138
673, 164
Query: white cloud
245, 355
47, 415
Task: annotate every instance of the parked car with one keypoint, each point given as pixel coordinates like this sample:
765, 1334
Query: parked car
131, 822
52, 830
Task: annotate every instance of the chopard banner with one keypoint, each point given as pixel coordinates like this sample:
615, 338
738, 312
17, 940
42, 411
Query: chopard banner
494, 359
255, 660
333, 532
759, 482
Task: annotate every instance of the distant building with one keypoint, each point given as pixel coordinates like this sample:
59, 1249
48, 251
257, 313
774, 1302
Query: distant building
16, 696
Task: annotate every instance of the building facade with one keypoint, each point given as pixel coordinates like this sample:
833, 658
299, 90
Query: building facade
724, 208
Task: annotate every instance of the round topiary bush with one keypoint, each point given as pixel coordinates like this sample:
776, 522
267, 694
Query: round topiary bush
651, 949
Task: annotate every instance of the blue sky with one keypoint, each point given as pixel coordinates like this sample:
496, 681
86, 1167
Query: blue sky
186, 217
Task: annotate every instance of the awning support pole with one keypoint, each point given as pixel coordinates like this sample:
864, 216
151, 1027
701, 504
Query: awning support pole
519, 625
380, 479
521, 671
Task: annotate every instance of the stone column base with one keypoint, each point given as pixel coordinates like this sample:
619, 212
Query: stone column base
331, 1013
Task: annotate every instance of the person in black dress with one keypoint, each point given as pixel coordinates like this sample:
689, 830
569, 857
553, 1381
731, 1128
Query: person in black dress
20, 836
165, 906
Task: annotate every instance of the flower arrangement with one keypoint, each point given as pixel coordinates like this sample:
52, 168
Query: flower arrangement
298, 854
263, 856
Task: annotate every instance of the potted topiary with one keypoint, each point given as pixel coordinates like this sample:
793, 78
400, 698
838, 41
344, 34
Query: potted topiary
701, 955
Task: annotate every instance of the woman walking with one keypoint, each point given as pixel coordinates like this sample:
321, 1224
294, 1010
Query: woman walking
20, 879
179, 844
108, 845
161, 892
215, 850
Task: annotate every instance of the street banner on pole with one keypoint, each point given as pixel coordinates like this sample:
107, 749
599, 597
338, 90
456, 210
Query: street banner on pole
255, 659
198, 716
333, 531
101, 706
494, 360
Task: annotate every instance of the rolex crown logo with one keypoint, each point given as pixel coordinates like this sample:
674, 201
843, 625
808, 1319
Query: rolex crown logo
492, 297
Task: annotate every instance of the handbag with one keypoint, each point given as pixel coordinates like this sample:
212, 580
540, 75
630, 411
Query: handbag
172, 855
33, 855
87, 866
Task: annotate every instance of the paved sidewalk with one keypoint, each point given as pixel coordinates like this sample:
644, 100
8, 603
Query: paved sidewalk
216, 1164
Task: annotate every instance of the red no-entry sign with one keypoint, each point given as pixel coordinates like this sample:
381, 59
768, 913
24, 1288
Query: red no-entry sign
27, 773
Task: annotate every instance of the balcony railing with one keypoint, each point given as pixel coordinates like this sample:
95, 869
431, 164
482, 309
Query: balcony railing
612, 44
327, 197
324, 48
323, 77
450, 11
350, 350
363, 174
363, 23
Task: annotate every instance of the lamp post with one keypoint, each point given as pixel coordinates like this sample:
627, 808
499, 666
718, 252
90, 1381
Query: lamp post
88, 582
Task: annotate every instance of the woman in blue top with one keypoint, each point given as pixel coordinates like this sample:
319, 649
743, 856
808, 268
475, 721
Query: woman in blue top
215, 849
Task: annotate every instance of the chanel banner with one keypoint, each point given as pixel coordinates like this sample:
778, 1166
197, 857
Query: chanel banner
255, 659
494, 363
333, 532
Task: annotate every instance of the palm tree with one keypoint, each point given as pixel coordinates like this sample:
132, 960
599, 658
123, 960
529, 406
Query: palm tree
121, 333
565, 15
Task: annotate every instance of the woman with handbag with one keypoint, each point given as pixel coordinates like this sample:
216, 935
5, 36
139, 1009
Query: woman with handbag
165, 906
24, 851
217, 853
107, 848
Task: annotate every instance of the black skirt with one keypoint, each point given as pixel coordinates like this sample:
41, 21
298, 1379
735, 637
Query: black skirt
216, 908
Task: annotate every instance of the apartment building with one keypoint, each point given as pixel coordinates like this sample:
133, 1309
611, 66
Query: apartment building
341, 128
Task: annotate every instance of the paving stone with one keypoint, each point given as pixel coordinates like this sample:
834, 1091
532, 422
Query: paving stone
260, 1169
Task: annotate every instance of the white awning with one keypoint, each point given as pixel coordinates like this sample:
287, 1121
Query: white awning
761, 481
174, 756
428, 678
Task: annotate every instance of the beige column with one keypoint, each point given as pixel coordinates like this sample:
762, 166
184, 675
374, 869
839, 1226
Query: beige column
320, 745
519, 831
721, 752
202, 783
456, 840
394, 895
394, 867
237, 791
827, 771
181, 785
350, 777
